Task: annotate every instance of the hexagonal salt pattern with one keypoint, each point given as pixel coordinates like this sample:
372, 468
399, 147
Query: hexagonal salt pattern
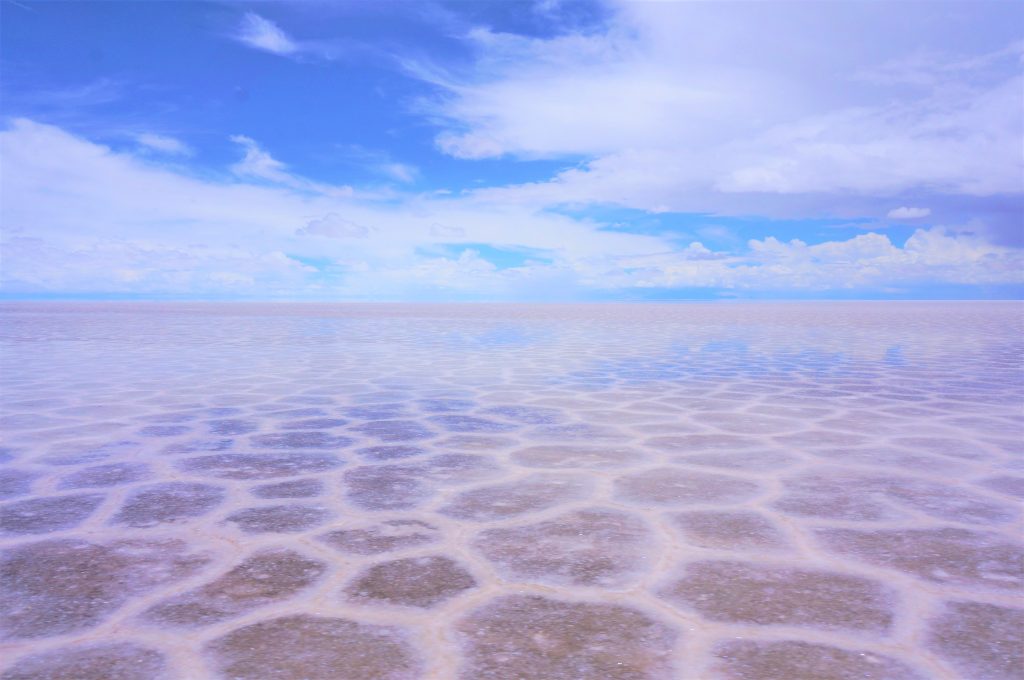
743, 491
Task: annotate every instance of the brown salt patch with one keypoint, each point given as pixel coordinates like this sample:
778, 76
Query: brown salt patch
29, 421
593, 547
168, 502
891, 458
674, 486
462, 423
745, 592
198, 446
838, 494
382, 537
412, 582
729, 529
258, 466
469, 442
796, 660
801, 413
956, 448
265, 577
692, 443
82, 454
42, 515
233, 426
520, 636
569, 456
14, 483
313, 424
376, 412
61, 586
617, 417
453, 468
296, 488
314, 648
746, 423
385, 453
164, 430
757, 461
299, 440
528, 415
104, 661
949, 503
531, 494
394, 430
944, 555
111, 474
384, 487
286, 414
980, 640
1010, 485
821, 439
280, 519
582, 432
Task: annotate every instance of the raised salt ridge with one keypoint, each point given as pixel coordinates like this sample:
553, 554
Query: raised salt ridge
743, 491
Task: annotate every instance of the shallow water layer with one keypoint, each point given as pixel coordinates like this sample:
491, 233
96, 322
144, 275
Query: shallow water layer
732, 491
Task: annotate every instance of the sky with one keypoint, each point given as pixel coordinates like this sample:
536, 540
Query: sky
511, 151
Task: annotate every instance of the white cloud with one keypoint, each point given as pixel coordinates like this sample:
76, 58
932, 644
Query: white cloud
692, 107
908, 213
259, 164
402, 172
379, 162
80, 217
163, 144
333, 225
946, 143
445, 232
469, 146
263, 34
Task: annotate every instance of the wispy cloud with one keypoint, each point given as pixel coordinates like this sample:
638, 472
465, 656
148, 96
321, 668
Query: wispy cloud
379, 162
263, 34
259, 164
163, 144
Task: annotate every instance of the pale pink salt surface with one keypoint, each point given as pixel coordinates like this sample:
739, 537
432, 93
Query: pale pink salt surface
801, 490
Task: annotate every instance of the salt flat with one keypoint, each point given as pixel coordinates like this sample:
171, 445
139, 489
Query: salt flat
773, 490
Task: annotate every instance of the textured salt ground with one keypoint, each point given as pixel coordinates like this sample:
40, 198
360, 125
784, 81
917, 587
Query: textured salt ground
791, 491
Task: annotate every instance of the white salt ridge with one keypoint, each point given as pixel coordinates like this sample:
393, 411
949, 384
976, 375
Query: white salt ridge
730, 491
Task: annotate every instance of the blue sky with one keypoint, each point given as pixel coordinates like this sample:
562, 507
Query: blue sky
511, 151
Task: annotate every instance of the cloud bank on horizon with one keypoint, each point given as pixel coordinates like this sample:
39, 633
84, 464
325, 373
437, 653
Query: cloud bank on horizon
512, 151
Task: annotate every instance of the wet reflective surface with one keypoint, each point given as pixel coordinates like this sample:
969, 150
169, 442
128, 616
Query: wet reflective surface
805, 490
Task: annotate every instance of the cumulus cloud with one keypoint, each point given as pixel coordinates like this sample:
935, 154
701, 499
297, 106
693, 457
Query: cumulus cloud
908, 213
658, 109
81, 217
263, 34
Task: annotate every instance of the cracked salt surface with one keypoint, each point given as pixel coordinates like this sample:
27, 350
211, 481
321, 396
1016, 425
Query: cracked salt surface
741, 491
